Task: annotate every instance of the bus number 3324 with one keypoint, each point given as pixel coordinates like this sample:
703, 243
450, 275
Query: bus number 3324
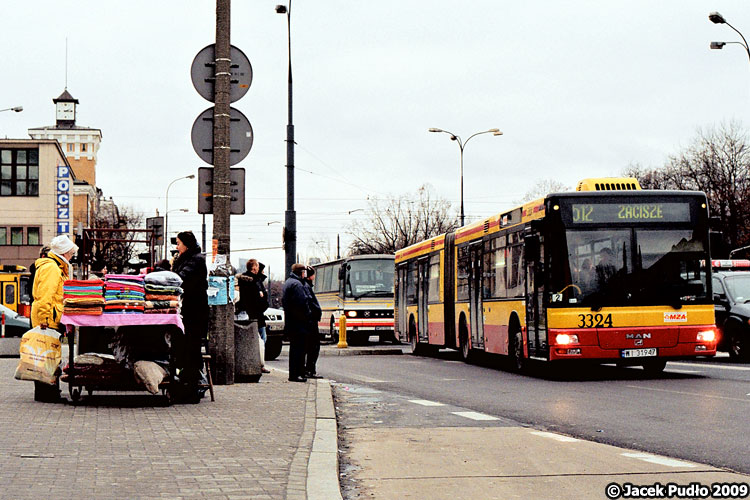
594, 321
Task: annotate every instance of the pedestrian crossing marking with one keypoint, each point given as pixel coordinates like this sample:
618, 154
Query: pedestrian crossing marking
556, 437
474, 415
669, 462
425, 402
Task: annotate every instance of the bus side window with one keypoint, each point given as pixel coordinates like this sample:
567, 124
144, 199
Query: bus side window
10, 294
411, 283
462, 278
433, 288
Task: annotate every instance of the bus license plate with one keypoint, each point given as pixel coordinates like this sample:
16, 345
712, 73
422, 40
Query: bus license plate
638, 353
382, 328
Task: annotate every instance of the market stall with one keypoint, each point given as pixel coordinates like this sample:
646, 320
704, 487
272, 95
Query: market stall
83, 371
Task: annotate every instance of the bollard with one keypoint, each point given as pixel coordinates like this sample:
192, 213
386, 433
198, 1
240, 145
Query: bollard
2, 333
342, 333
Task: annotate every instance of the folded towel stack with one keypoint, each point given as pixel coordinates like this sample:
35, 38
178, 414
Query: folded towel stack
162, 292
83, 297
124, 293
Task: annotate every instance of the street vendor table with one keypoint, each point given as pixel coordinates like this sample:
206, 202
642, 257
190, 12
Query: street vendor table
76, 379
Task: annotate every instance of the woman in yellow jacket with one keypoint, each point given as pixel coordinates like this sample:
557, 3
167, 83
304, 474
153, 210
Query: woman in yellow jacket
47, 289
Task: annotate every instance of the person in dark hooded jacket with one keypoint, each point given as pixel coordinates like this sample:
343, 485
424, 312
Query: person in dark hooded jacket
190, 265
312, 341
297, 315
254, 298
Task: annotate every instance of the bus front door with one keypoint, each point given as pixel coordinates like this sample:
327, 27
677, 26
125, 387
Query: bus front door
422, 294
476, 316
403, 317
536, 323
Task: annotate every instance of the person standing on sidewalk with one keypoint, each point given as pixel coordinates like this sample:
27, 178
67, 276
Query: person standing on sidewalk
47, 291
312, 340
296, 304
190, 265
254, 298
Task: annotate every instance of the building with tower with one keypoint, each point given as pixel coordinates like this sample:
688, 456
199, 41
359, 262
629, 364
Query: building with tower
80, 145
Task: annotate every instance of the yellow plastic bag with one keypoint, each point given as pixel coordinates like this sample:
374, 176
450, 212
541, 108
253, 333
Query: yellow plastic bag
41, 353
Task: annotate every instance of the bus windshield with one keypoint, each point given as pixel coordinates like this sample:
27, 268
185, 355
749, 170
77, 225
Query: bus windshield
369, 278
738, 287
629, 266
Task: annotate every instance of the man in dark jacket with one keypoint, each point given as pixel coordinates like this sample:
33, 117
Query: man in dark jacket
254, 298
312, 340
191, 266
294, 300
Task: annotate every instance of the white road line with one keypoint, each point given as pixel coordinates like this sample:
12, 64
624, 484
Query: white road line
641, 387
669, 462
425, 402
556, 437
369, 380
474, 415
682, 371
717, 366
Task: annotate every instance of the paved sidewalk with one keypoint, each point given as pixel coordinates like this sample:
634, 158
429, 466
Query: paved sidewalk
255, 441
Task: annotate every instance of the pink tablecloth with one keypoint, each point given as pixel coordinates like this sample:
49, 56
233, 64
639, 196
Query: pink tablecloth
122, 320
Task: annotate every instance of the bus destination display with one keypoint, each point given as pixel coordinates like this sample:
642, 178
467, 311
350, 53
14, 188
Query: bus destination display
597, 213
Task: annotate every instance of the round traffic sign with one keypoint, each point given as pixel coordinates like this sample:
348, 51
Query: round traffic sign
203, 69
240, 136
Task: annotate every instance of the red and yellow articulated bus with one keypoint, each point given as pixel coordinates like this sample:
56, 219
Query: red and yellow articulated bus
609, 273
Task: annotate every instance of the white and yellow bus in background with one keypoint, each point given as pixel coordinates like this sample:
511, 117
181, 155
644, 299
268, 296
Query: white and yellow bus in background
361, 288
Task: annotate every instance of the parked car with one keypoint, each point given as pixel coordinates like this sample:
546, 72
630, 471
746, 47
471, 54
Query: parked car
274, 329
731, 289
274, 332
15, 324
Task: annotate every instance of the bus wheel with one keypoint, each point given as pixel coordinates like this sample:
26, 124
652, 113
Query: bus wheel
416, 347
654, 366
515, 350
463, 340
333, 332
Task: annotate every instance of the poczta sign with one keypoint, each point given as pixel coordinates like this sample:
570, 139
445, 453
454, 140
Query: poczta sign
63, 200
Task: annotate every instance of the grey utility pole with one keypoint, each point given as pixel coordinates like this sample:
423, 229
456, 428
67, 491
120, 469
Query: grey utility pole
222, 331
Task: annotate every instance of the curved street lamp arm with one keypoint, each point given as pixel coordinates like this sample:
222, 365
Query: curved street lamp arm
747, 49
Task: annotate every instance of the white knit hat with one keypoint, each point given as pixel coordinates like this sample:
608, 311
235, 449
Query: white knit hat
61, 245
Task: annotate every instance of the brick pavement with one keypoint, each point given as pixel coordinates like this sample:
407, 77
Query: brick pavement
254, 442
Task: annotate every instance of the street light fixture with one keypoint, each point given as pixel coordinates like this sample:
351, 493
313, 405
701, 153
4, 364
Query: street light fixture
717, 18
290, 216
166, 213
17, 109
461, 145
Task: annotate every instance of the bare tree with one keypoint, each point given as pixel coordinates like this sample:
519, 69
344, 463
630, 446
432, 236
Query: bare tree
116, 254
396, 222
543, 187
717, 162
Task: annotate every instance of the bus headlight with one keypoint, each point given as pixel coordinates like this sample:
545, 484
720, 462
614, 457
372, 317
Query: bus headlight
352, 314
706, 336
565, 339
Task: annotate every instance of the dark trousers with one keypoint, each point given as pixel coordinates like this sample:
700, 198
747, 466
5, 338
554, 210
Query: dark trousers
312, 350
297, 354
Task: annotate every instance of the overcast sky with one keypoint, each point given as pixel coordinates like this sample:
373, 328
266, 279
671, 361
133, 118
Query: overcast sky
579, 89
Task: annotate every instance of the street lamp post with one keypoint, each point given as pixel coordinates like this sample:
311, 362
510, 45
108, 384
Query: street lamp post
461, 145
717, 18
166, 214
17, 109
290, 216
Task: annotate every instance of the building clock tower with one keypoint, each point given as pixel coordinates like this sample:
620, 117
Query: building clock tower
65, 109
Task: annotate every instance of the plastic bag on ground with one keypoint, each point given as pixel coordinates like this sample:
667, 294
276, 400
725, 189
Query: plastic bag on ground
41, 353
149, 374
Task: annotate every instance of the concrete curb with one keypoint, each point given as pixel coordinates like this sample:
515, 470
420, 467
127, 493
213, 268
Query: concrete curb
323, 467
332, 350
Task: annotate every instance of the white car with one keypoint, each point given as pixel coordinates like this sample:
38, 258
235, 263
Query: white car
274, 332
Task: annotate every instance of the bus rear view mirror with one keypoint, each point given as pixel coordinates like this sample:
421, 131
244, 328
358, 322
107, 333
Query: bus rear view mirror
531, 248
342, 271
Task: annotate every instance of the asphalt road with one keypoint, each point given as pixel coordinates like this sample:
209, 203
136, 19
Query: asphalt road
696, 411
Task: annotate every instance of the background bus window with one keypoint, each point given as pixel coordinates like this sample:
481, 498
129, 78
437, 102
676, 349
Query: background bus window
411, 284
494, 275
516, 274
433, 294
321, 281
333, 278
10, 293
462, 277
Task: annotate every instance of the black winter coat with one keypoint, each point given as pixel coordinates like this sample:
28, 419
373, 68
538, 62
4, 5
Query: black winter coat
294, 300
191, 266
253, 296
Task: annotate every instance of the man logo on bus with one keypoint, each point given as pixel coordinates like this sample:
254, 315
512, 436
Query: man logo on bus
637, 335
